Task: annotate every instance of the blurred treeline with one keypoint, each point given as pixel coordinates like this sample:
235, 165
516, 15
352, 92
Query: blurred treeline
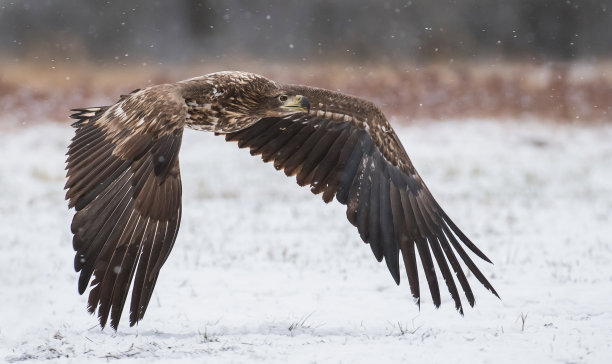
316, 30
437, 59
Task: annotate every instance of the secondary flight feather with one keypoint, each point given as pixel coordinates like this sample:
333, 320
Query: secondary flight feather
124, 181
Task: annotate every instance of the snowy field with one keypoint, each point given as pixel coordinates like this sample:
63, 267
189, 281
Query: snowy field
263, 271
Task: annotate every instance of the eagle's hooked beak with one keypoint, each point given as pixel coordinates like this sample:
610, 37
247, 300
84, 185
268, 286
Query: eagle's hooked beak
297, 103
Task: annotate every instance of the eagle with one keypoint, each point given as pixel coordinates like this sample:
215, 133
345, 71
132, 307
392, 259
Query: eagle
124, 181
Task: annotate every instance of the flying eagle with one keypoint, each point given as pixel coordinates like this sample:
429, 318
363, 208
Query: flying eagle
124, 180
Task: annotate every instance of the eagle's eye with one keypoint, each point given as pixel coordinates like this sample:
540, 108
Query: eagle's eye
282, 98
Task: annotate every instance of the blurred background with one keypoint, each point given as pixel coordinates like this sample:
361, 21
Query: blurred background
441, 59
503, 106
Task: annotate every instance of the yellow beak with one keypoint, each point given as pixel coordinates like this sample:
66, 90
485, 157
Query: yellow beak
297, 103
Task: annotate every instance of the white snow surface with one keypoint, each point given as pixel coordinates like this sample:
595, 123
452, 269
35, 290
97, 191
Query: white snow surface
264, 271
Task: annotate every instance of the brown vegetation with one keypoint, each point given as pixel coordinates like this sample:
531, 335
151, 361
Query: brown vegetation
558, 92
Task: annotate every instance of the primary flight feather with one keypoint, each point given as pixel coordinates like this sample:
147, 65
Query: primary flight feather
124, 180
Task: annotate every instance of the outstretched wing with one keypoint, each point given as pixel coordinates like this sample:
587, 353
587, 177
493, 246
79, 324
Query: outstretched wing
388, 202
124, 184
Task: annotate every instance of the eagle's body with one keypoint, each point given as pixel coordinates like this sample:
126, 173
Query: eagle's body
124, 180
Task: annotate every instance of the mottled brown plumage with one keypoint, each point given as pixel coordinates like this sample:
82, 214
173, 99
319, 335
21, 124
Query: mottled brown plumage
124, 180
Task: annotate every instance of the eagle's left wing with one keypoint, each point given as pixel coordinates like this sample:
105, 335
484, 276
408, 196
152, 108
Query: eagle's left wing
125, 186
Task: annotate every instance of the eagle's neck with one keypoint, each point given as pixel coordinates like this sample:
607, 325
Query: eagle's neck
212, 108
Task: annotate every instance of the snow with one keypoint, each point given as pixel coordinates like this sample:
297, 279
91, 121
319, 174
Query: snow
263, 271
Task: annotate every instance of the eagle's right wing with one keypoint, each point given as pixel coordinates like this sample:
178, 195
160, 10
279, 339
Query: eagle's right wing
386, 199
124, 184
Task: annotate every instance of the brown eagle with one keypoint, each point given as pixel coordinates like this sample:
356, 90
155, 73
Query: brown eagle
124, 180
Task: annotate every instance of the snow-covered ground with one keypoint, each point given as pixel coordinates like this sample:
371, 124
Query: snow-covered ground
264, 271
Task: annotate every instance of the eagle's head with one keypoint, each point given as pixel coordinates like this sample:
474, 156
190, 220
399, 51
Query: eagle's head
242, 98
